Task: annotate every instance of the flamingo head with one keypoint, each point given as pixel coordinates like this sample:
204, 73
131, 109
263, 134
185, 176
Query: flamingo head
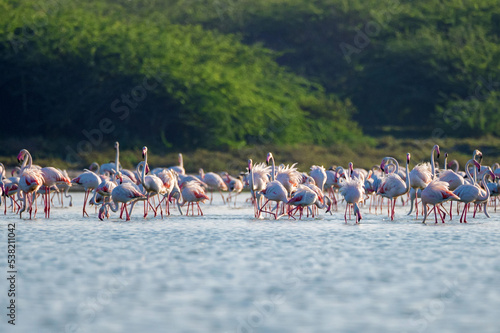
20, 156
382, 165
436, 148
117, 145
119, 177
478, 154
478, 165
445, 155
250, 164
351, 168
408, 157
269, 156
144, 151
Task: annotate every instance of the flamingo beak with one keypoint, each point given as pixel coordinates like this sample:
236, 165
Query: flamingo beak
382, 165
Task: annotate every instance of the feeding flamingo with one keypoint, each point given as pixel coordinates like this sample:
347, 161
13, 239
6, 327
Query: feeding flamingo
124, 193
30, 181
214, 183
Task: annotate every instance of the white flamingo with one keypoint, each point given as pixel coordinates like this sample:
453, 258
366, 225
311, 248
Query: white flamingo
393, 186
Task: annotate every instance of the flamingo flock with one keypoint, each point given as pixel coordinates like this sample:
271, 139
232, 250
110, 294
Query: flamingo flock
276, 191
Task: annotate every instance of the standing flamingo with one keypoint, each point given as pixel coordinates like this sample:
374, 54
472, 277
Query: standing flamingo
124, 193
51, 177
274, 191
484, 192
179, 168
89, 181
420, 176
214, 183
468, 193
192, 193
353, 192
435, 193
318, 173
393, 186
30, 181
257, 180
152, 184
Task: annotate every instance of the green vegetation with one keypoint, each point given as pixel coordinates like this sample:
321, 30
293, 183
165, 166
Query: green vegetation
230, 75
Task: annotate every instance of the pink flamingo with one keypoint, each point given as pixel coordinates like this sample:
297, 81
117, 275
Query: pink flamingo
214, 182
152, 184
30, 181
192, 193
453, 179
303, 197
274, 191
393, 186
89, 181
318, 173
51, 177
124, 193
484, 192
420, 176
435, 193
179, 169
468, 193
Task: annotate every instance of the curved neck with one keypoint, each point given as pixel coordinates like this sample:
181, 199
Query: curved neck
143, 174
273, 170
467, 170
117, 159
433, 167
251, 179
485, 186
395, 161
2, 174
113, 205
445, 162
27, 163
407, 180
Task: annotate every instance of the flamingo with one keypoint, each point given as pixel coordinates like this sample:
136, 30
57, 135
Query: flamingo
30, 181
51, 177
124, 193
318, 173
274, 191
303, 197
435, 193
484, 192
393, 186
468, 193
420, 176
192, 193
89, 180
152, 184
257, 180
235, 186
214, 182
179, 169
288, 176
353, 192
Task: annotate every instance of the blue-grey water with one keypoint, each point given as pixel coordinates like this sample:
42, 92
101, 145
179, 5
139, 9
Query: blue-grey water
228, 272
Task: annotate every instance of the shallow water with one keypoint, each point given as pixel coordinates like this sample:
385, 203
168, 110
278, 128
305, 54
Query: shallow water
227, 272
